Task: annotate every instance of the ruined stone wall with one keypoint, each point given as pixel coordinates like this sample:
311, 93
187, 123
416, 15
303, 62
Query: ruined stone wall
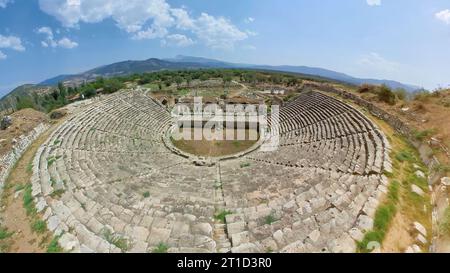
404, 129
401, 127
8, 161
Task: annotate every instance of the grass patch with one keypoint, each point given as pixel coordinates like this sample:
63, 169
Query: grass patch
5, 242
116, 240
50, 161
405, 156
19, 187
30, 168
56, 142
422, 135
236, 144
39, 226
270, 219
161, 248
383, 217
28, 201
54, 246
245, 165
222, 215
444, 227
5, 234
442, 168
57, 193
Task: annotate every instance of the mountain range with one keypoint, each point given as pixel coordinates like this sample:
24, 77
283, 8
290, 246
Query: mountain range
189, 62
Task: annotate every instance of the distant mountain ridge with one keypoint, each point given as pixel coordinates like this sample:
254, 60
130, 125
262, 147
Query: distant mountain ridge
190, 62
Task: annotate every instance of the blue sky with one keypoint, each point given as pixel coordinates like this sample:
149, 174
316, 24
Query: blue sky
404, 40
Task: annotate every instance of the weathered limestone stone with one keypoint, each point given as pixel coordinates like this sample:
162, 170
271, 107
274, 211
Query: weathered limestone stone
417, 190
203, 228
278, 237
69, 243
245, 248
344, 244
365, 223
295, 247
240, 238
420, 228
236, 227
52, 223
420, 174
314, 235
421, 239
356, 234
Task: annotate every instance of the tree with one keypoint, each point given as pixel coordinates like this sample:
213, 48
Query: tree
188, 80
227, 78
112, 85
178, 81
24, 102
386, 95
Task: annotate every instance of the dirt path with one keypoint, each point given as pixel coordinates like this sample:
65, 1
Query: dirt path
15, 218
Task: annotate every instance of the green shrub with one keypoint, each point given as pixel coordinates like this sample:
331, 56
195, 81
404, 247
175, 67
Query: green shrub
421, 135
386, 95
116, 240
221, 215
401, 93
270, 219
146, 194
444, 227
54, 246
161, 248
28, 200
404, 155
39, 226
4, 234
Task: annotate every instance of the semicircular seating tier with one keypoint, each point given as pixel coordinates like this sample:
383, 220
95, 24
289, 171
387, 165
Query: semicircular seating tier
105, 174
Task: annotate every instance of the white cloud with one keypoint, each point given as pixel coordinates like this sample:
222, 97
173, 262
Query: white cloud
183, 19
249, 20
50, 40
375, 62
444, 16
4, 3
178, 40
146, 19
2, 56
67, 43
46, 30
249, 47
374, 2
218, 32
151, 33
11, 42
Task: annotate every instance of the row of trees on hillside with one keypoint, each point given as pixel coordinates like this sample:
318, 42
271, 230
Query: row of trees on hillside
61, 95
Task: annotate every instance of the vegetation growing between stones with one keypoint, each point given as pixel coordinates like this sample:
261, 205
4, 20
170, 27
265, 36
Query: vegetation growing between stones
383, 217
39, 226
399, 198
54, 247
28, 201
422, 135
445, 225
222, 215
161, 248
5, 235
270, 219
116, 240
